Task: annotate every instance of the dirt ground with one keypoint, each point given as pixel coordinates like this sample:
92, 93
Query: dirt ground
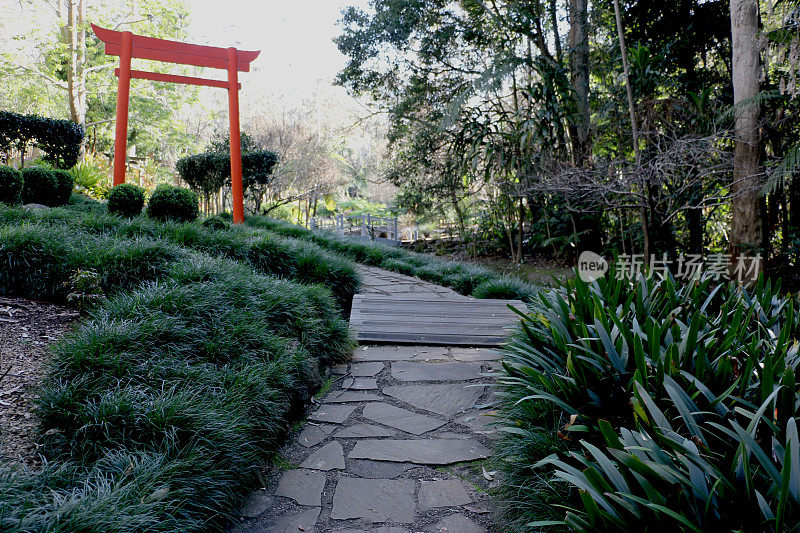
26, 330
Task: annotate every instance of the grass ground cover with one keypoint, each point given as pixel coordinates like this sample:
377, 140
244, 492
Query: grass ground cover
266, 252
159, 409
654, 405
465, 278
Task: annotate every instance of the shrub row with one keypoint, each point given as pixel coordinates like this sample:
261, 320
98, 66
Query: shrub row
60, 140
669, 406
464, 278
159, 410
262, 250
37, 185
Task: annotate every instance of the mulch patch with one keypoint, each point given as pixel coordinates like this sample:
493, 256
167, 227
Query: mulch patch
27, 329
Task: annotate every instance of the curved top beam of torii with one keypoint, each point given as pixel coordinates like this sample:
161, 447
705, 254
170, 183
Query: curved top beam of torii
126, 45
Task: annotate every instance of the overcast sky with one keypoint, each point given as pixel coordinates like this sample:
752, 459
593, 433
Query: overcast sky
298, 58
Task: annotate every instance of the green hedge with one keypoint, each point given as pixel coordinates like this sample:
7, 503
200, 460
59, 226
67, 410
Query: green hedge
159, 411
173, 203
126, 200
60, 140
10, 185
464, 278
661, 403
270, 254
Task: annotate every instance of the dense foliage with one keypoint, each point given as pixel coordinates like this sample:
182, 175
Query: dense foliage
65, 182
210, 171
159, 411
126, 200
10, 185
173, 203
677, 403
60, 140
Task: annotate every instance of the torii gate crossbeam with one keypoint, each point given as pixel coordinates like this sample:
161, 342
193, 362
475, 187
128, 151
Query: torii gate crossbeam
127, 46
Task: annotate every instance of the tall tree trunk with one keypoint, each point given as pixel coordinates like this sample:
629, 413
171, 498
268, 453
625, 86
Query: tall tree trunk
76, 63
644, 189
745, 235
556, 36
579, 68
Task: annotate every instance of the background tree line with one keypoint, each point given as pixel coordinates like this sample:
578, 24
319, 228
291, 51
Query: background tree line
626, 126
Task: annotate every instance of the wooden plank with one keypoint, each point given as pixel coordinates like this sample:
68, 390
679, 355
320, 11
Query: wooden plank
173, 78
415, 319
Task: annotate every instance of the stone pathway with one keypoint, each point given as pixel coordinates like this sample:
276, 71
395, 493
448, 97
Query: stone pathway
397, 445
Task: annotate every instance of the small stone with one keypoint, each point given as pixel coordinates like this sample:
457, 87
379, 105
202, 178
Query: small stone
332, 413
366, 369
363, 431
400, 418
256, 504
456, 523
329, 457
382, 529
420, 451
339, 370
448, 371
303, 486
472, 354
442, 493
341, 396
375, 500
304, 521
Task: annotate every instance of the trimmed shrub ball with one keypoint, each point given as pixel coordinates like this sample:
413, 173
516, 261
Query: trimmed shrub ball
10, 185
173, 203
39, 186
64, 184
216, 223
126, 200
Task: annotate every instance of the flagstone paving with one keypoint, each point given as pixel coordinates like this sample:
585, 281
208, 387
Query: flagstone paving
398, 445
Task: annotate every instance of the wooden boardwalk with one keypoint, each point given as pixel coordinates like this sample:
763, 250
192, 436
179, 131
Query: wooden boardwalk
422, 319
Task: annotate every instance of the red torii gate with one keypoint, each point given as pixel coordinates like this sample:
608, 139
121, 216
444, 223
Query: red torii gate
126, 45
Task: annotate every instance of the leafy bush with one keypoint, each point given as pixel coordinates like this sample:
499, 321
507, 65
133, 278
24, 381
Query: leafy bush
59, 139
64, 185
504, 288
88, 178
10, 185
216, 222
159, 410
40, 186
679, 401
126, 200
209, 171
173, 203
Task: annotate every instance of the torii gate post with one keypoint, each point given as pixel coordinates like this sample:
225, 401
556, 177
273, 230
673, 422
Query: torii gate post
126, 45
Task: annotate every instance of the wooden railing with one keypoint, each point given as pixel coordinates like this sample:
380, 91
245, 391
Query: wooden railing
366, 226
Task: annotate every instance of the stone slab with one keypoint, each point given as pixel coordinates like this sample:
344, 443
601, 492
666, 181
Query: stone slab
329, 457
382, 529
474, 354
479, 422
444, 399
360, 384
420, 451
332, 413
377, 469
400, 418
385, 353
339, 370
366, 370
456, 523
442, 493
303, 521
311, 436
343, 396
303, 486
360, 431
374, 500
448, 371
